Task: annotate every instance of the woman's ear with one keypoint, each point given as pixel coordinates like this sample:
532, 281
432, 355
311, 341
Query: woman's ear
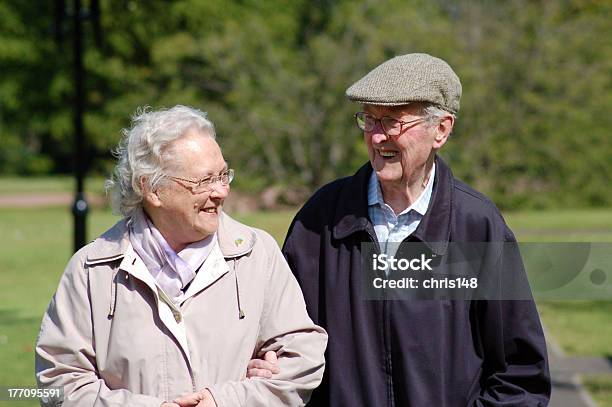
151, 197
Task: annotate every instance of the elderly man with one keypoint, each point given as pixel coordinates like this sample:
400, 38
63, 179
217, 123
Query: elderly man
168, 306
413, 352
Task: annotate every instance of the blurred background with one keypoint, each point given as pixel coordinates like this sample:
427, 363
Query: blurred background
533, 132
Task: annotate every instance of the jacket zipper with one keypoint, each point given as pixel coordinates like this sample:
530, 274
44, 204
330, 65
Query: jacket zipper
178, 317
386, 338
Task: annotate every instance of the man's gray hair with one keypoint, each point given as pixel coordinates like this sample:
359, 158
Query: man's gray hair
434, 113
141, 152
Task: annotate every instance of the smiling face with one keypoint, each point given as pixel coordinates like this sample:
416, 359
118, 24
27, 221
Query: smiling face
402, 159
184, 217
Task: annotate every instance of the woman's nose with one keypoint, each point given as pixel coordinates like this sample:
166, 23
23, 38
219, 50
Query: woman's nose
219, 190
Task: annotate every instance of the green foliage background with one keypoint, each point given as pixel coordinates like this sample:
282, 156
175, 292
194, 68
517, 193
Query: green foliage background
533, 130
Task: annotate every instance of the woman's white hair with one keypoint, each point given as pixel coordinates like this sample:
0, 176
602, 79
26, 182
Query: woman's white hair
141, 152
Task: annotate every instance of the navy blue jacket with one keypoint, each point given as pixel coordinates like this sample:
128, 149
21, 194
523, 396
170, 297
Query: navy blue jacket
412, 352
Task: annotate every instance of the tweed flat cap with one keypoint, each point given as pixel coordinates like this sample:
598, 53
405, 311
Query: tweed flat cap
409, 78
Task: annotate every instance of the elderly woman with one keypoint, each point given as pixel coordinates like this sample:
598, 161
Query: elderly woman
168, 306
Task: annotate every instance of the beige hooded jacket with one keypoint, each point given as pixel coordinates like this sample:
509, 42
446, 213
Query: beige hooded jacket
110, 337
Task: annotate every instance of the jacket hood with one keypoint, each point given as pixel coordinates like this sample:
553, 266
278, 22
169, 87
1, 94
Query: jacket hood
235, 240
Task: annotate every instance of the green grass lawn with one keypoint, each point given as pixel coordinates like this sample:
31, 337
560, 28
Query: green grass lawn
600, 387
36, 185
585, 225
37, 245
581, 328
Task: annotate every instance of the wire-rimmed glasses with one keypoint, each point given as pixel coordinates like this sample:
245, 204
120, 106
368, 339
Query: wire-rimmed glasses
206, 184
391, 126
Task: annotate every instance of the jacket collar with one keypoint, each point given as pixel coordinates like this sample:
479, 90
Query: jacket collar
235, 240
351, 214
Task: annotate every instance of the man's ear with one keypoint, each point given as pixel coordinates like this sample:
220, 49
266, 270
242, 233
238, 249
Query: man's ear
443, 130
151, 197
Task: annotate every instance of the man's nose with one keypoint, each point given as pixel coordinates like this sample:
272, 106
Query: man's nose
378, 135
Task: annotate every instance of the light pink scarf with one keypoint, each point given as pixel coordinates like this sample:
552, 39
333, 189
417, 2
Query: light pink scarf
172, 271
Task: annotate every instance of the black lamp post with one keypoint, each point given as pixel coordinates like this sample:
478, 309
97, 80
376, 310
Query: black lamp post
80, 206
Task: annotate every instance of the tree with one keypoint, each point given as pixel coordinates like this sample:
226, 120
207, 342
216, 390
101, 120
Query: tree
532, 130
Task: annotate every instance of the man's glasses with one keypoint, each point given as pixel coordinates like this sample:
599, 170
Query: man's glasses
391, 126
206, 184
